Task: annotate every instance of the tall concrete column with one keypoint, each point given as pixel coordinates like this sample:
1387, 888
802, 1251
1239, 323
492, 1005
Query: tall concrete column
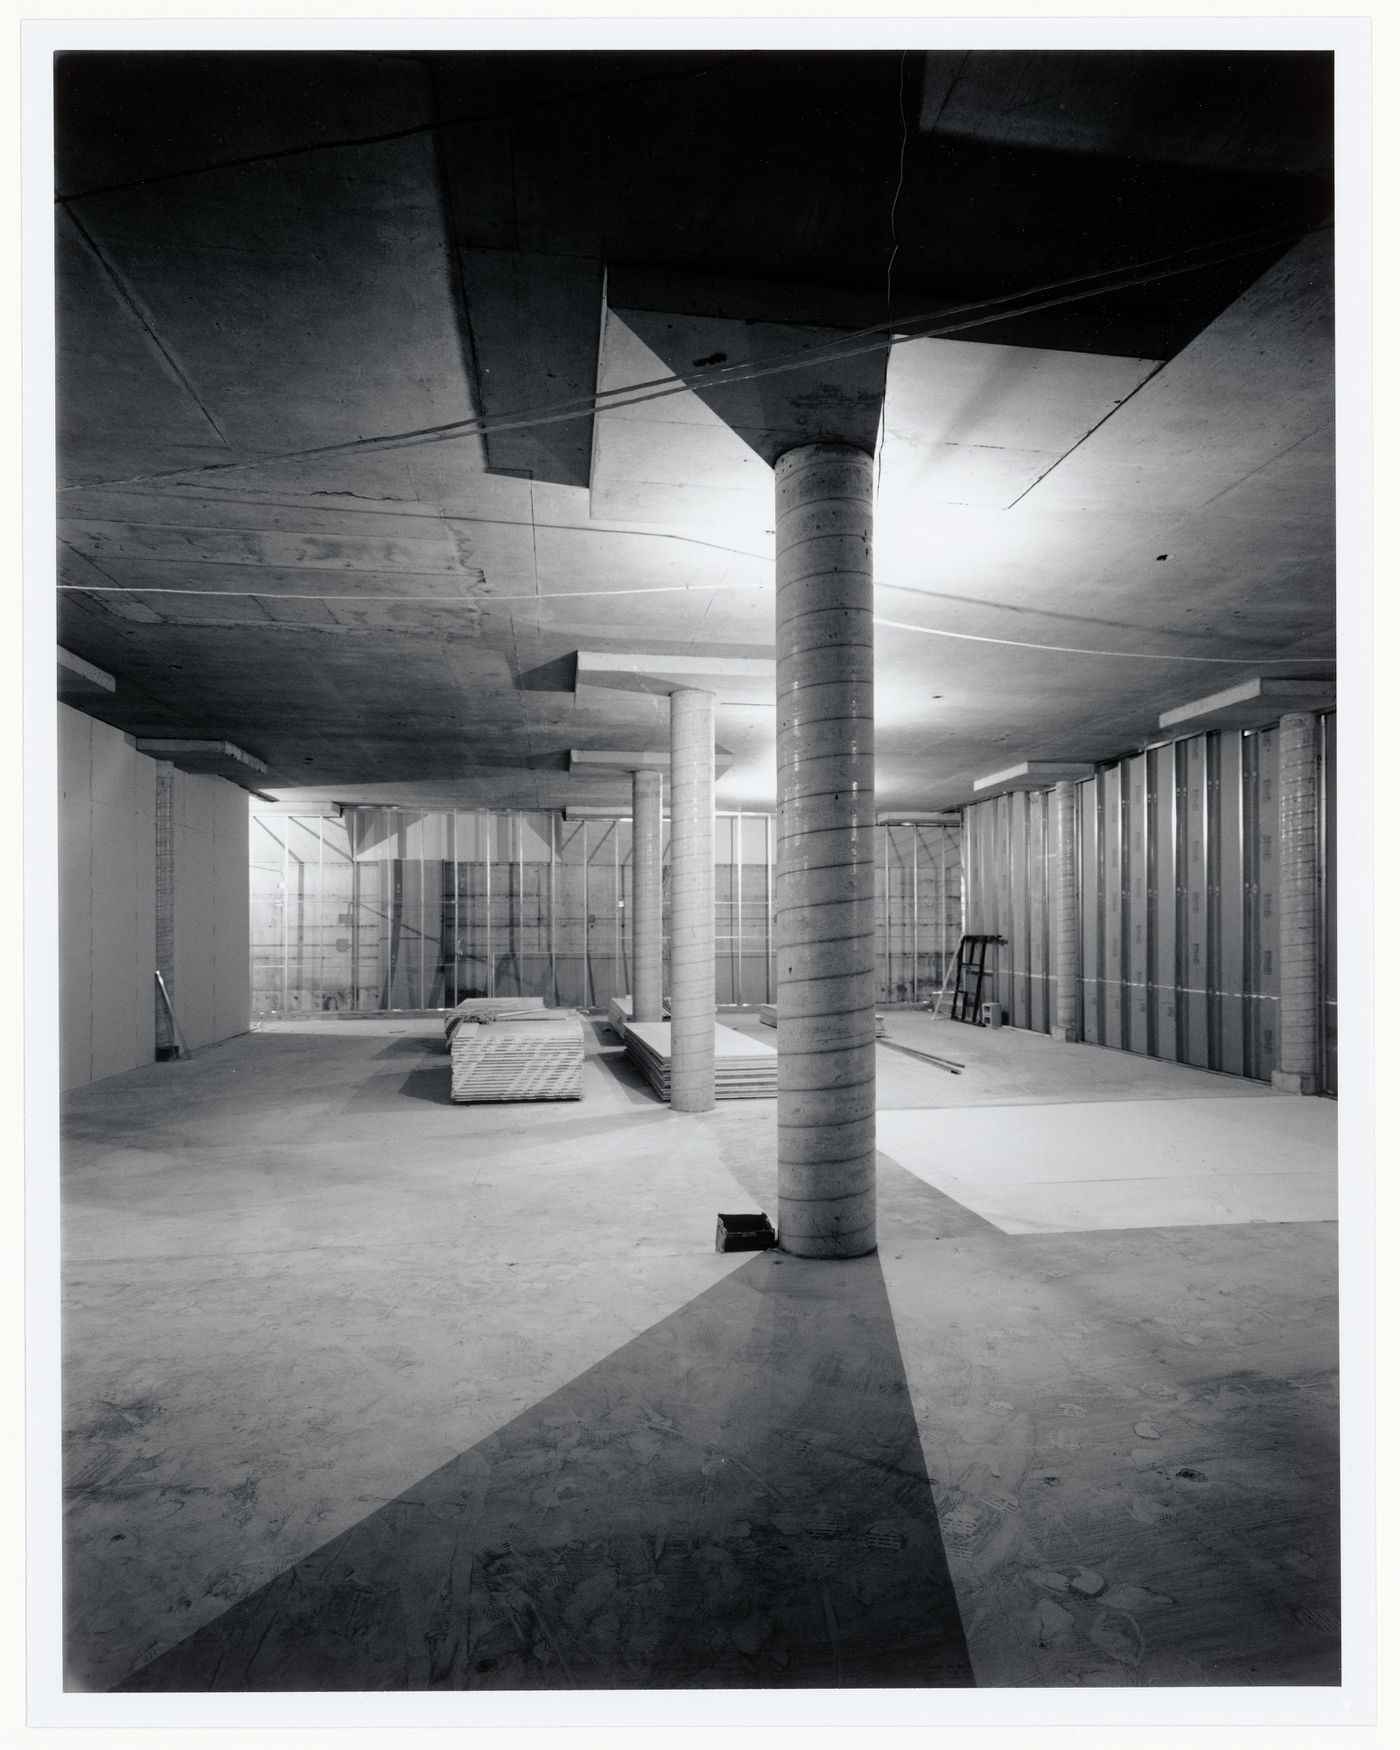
646, 896
1297, 924
825, 882
1067, 961
692, 901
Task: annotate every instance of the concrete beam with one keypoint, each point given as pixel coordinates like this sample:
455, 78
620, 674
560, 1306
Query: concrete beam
625, 760
613, 760
79, 680
1253, 703
211, 759
1032, 775
734, 679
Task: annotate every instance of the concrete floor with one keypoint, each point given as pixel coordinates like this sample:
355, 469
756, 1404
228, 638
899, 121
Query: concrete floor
365, 1390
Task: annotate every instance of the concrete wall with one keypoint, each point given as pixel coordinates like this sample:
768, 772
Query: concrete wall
107, 903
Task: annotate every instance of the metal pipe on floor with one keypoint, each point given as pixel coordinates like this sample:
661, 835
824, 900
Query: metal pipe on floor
1067, 945
646, 896
1296, 1071
692, 900
825, 869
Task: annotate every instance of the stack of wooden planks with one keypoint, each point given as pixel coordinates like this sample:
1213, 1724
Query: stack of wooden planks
535, 1055
745, 1069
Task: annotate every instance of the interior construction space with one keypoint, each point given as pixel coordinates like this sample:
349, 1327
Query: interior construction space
648, 638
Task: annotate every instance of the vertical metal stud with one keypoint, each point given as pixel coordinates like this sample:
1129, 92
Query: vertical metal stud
554, 850
486, 835
1181, 972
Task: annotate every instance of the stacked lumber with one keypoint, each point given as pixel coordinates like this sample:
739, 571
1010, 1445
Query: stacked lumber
745, 1069
528, 1056
489, 1009
768, 1014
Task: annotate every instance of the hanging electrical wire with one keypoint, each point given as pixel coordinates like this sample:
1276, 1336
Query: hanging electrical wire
493, 599
929, 325
1119, 655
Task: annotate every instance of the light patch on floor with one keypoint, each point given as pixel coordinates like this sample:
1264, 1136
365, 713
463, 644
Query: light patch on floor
1110, 1164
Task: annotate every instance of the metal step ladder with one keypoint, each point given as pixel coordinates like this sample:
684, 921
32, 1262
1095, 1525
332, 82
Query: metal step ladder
965, 979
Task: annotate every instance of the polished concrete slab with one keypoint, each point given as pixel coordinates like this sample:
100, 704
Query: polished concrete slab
736, 1497
1114, 1164
322, 1328
1007, 1066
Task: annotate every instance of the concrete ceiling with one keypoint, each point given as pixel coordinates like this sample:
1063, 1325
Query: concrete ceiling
269, 264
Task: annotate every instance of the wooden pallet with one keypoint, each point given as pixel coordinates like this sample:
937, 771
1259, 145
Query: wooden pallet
745, 1069
529, 1057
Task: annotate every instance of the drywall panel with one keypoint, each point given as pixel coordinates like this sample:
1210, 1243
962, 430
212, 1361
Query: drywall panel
1195, 961
1328, 932
1178, 878
1115, 955
1051, 887
1037, 866
192, 983
1265, 986
106, 901
1136, 922
212, 859
1162, 900
1231, 830
232, 995
75, 898
1091, 908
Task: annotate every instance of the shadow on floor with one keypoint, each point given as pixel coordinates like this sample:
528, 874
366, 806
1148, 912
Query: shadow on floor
736, 1498
415, 1045
616, 1063
431, 1082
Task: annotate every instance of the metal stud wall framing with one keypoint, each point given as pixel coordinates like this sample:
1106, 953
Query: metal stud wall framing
1178, 917
379, 909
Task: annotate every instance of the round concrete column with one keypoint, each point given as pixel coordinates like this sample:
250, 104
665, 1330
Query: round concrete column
692, 901
1067, 962
825, 889
646, 896
1297, 923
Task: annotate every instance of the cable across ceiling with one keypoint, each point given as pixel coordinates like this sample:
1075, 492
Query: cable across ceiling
880, 336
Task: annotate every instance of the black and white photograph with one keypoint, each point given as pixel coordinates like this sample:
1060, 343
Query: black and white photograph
698, 882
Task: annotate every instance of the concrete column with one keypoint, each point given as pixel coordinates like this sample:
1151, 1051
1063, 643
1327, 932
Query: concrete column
825, 899
692, 901
646, 896
1297, 924
1066, 902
